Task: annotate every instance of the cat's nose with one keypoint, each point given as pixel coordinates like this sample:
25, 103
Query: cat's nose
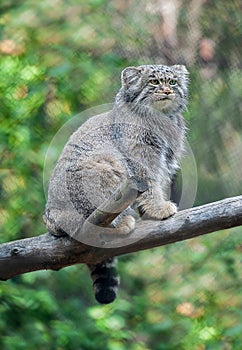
167, 91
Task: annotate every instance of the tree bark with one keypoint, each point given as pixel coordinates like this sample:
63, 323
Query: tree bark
49, 252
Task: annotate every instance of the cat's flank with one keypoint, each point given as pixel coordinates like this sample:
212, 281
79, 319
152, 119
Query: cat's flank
141, 136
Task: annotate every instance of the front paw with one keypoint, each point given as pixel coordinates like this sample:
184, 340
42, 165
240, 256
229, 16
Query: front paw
163, 211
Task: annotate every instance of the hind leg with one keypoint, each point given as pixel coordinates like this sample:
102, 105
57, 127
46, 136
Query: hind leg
125, 222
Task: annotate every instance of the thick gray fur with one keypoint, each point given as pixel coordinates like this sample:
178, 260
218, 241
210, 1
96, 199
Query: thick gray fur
142, 135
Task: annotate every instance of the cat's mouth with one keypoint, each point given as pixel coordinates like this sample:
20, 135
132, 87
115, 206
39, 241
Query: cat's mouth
161, 97
163, 101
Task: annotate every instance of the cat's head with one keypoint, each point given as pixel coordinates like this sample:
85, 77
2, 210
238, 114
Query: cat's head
156, 86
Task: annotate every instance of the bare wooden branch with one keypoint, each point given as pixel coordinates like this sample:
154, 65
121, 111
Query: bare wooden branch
49, 252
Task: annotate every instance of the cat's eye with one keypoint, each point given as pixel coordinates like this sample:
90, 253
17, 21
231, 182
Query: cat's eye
154, 82
172, 82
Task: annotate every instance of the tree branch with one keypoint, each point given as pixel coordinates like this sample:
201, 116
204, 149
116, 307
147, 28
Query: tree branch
49, 252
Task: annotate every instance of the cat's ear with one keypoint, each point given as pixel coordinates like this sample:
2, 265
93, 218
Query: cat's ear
129, 76
181, 69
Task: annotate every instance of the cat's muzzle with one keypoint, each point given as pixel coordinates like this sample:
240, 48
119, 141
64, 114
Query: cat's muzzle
164, 95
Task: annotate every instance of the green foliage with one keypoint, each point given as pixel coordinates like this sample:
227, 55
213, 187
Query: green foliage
184, 296
57, 59
215, 137
226, 30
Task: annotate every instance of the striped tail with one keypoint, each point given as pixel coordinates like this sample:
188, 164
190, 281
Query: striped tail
105, 280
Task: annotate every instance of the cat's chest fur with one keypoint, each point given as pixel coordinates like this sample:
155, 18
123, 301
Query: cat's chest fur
156, 144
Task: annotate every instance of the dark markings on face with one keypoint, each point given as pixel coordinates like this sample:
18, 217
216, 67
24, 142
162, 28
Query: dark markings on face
153, 80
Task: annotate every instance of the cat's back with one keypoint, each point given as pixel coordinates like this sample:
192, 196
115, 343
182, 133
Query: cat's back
97, 126
93, 134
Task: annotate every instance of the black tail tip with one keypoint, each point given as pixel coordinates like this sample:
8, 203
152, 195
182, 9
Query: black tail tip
105, 296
